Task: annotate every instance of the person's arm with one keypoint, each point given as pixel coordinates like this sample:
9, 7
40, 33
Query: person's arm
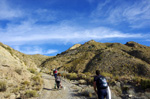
94, 85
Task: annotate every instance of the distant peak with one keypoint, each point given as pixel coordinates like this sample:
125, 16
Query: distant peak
75, 46
91, 41
133, 44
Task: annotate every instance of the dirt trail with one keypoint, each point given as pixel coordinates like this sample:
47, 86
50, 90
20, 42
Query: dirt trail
68, 92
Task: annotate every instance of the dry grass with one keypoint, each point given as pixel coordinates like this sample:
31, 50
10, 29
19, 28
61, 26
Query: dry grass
31, 93
3, 86
18, 70
72, 76
33, 70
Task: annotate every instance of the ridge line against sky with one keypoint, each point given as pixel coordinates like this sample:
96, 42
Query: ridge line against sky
50, 27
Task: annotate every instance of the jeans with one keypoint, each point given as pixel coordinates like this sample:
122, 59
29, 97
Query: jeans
102, 93
58, 84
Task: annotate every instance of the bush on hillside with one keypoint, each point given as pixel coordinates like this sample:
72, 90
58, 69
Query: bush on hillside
31, 93
33, 70
89, 80
3, 86
72, 76
81, 76
106, 74
145, 83
26, 83
88, 92
18, 70
37, 80
88, 74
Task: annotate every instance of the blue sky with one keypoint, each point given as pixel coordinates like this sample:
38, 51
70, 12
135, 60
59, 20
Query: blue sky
49, 27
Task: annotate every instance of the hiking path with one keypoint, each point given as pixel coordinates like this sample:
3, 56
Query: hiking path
69, 90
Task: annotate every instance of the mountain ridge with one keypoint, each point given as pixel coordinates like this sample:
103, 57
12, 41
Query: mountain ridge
108, 57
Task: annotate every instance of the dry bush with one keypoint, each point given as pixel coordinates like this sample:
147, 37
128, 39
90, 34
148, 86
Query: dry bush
106, 74
81, 76
33, 70
18, 70
26, 83
72, 76
37, 80
3, 86
89, 80
87, 73
31, 93
15, 90
87, 92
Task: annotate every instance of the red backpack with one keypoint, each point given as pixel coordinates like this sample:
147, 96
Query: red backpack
55, 71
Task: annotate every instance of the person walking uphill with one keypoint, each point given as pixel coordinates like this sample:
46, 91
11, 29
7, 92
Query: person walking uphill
58, 80
100, 85
55, 73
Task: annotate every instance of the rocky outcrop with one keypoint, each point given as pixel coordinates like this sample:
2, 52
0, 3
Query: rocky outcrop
74, 46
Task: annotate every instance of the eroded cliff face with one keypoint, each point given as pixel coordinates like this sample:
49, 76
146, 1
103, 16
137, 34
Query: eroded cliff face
18, 73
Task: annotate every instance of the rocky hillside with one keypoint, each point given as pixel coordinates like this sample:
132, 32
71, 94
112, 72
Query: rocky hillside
126, 66
18, 72
115, 58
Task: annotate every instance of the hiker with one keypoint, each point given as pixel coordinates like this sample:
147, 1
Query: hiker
58, 81
100, 85
55, 73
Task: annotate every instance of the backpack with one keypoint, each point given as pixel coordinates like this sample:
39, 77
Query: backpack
101, 82
55, 72
58, 78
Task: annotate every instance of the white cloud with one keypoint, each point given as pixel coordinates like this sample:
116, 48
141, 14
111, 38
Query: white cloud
6, 12
136, 14
35, 50
28, 32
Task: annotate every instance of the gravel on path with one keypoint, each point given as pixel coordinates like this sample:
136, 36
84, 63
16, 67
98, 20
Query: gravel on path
69, 90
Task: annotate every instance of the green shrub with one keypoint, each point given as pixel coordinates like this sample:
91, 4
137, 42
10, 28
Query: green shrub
116, 77
137, 80
125, 88
87, 92
87, 73
72, 76
89, 80
106, 74
37, 88
23, 87
27, 83
33, 70
15, 90
3, 86
81, 76
37, 80
18, 70
31, 93
118, 90
145, 83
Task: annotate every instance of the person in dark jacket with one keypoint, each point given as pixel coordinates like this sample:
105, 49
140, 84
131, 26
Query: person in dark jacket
100, 85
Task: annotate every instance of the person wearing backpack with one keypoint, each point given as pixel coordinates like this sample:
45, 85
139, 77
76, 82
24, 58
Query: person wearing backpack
55, 73
58, 80
100, 86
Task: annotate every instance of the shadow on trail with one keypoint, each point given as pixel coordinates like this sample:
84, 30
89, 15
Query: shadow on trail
49, 89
